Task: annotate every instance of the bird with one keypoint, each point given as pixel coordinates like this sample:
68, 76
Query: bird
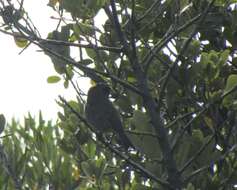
103, 116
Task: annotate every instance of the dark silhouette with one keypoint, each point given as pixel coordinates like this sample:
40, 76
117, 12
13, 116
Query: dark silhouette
102, 115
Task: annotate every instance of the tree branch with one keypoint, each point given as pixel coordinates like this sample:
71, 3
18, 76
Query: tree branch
117, 26
149, 103
136, 166
188, 163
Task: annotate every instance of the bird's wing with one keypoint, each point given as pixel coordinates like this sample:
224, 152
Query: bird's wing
97, 116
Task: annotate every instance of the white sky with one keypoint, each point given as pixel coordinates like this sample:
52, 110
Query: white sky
23, 78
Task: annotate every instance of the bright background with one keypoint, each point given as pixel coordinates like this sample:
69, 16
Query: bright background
23, 78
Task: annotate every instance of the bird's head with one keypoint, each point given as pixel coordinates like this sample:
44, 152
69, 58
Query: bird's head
100, 90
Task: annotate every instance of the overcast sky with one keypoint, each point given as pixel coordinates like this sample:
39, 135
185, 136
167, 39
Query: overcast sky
23, 78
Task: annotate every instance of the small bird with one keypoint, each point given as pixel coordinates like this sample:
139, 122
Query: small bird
102, 115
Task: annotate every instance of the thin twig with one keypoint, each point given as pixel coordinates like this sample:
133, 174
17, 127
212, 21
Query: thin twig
188, 178
117, 26
198, 153
149, 10
89, 71
141, 133
199, 114
163, 42
187, 125
182, 51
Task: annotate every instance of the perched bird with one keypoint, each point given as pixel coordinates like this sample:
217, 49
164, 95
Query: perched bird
102, 115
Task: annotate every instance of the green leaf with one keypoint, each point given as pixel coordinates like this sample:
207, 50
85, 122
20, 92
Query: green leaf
91, 53
66, 84
85, 61
231, 83
74, 105
88, 168
124, 104
140, 120
190, 187
184, 146
197, 135
53, 79
20, 42
224, 56
146, 141
84, 29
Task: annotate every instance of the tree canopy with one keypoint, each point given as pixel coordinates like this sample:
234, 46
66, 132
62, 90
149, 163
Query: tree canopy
172, 69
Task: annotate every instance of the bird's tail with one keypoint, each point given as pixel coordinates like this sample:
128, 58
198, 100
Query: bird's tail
125, 141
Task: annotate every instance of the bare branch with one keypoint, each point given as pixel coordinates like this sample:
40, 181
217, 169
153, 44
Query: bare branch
194, 157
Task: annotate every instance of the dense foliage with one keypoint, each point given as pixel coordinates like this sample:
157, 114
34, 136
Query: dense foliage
172, 68
31, 158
